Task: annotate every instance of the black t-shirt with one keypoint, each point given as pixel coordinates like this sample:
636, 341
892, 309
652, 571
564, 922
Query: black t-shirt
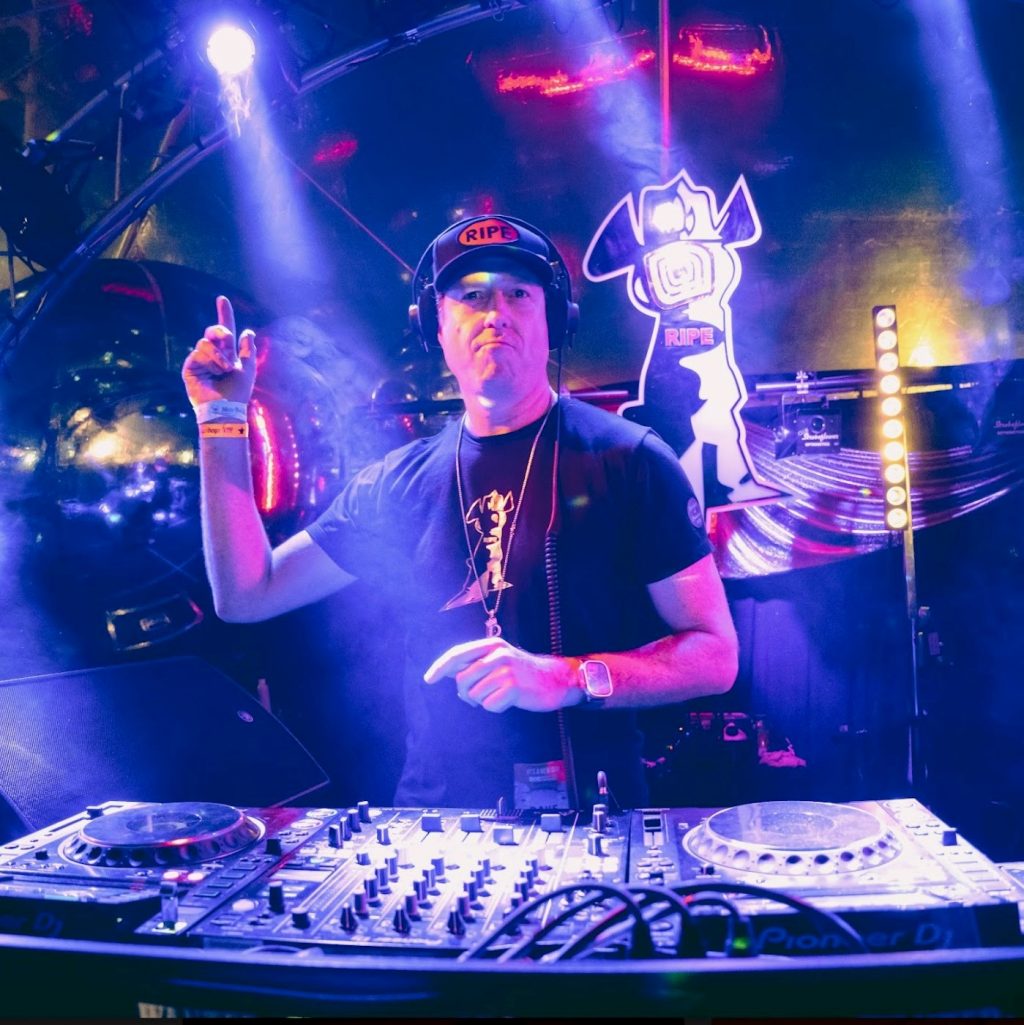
625, 517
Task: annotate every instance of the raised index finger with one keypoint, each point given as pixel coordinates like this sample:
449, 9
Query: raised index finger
225, 314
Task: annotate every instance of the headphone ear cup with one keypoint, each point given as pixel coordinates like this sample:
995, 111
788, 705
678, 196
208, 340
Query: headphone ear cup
423, 318
572, 321
563, 317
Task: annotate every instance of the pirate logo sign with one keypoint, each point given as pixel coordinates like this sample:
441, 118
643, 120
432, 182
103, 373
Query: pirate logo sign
679, 255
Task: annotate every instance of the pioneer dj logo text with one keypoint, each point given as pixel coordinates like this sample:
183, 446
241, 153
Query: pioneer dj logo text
777, 939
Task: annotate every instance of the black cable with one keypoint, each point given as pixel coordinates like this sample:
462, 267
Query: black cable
796, 903
732, 947
524, 910
690, 943
545, 930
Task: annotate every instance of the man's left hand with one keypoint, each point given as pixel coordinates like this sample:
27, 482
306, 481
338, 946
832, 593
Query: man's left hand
497, 676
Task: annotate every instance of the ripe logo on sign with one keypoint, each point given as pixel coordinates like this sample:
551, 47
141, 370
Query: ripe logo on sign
488, 233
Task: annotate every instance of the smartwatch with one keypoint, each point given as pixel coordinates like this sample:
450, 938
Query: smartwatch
596, 681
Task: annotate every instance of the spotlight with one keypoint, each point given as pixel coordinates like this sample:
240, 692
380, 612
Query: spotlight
231, 50
897, 518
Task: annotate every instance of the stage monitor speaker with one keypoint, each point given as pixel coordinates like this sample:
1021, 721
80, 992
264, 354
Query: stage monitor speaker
175, 729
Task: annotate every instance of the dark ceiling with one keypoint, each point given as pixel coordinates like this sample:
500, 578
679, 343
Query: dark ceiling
881, 145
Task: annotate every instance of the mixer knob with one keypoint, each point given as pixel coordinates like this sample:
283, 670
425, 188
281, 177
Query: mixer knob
456, 923
363, 809
422, 893
370, 887
361, 903
383, 879
437, 864
465, 907
471, 890
949, 838
41, 855
392, 863
347, 919
401, 921
346, 828
274, 847
353, 820
599, 821
94, 811
275, 896
362, 857
383, 835
523, 887
485, 864
334, 838
595, 845
412, 905
300, 918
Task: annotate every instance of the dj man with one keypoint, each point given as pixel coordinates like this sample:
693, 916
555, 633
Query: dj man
546, 561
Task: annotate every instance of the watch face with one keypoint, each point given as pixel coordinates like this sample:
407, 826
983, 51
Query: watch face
597, 680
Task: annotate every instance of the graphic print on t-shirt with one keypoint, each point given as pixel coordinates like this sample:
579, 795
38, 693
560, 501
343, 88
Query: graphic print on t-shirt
489, 517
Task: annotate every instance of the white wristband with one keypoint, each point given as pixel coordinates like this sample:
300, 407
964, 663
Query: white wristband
222, 409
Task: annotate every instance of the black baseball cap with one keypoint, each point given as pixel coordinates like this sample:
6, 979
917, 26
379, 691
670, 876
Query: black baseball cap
486, 242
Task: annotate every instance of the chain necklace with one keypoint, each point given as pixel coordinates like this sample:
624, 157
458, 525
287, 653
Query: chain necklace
492, 626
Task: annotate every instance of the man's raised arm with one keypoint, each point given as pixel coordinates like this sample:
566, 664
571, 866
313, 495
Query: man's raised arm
249, 580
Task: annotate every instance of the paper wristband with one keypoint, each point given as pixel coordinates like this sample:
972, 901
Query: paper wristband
223, 409
223, 430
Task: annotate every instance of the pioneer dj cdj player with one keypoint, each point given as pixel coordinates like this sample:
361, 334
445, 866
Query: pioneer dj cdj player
768, 883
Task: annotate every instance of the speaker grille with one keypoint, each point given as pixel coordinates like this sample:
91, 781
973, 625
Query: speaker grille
169, 730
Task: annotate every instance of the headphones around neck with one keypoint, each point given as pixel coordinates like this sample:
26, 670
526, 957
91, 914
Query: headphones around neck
563, 314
